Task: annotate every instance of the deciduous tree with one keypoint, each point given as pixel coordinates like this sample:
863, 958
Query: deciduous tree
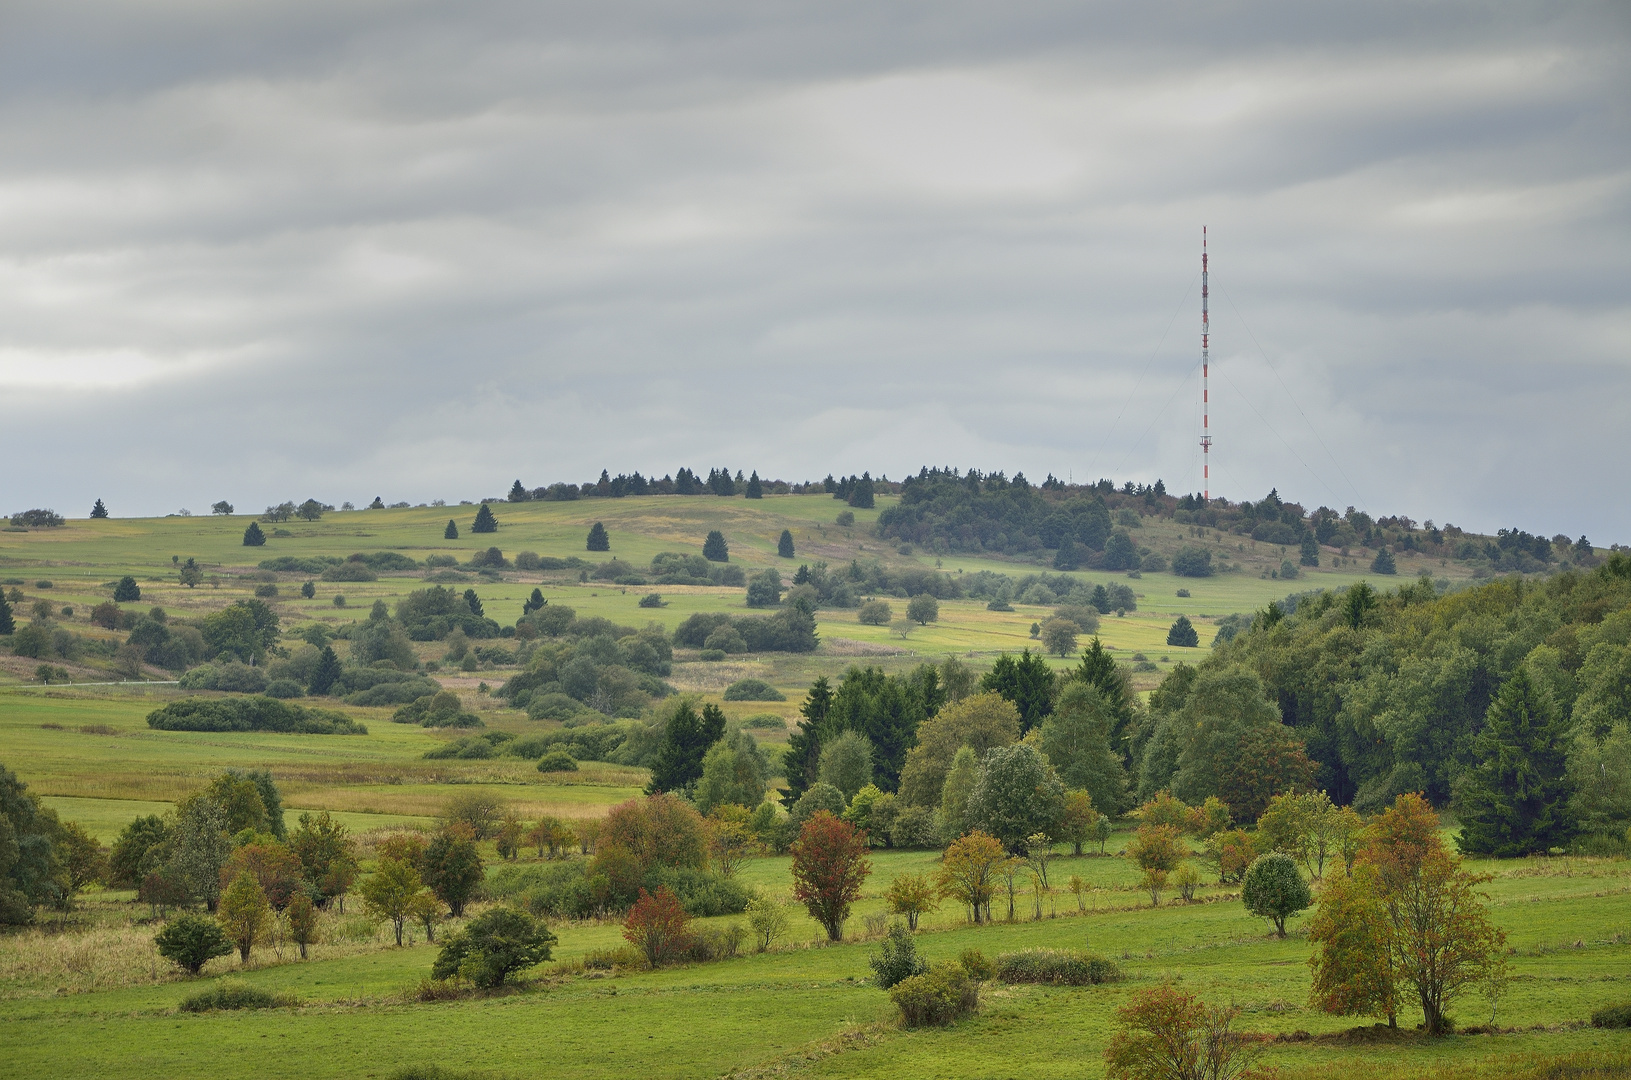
496, 944
1274, 889
969, 870
244, 913
191, 941
658, 926
452, 868
829, 866
389, 892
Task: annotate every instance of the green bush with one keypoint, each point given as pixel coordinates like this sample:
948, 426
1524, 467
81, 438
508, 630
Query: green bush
711, 656
940, 996
1056, 967
496, 944
284, 689
468, 748
557, 761
235, 994
710, 943
191, 941
251, 714
1612, 1016
753, 690
896, 959
974, 962
350, 571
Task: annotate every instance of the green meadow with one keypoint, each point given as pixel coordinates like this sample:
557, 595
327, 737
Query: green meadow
84, 995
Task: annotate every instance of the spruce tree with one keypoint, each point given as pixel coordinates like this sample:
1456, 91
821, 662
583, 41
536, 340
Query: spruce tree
802, 757
598, 540
860, 495
127, 591
519, 493
755, 490
485, 521
452, 530
535, 602
1515, 800
99, 511
327, 672
1384, 564
714, 548
1183, 634
253, 537
8, 625
1310, 550
784, 548
474, 602
685, 743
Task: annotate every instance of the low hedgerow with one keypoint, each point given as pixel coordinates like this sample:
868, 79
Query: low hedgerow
234, 994
1058, 967
1612, 1016
942, 995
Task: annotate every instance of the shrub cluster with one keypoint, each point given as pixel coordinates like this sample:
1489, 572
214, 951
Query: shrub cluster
940, 996
753, 690
251, 714
1612, 1016
235, 994
1056, 967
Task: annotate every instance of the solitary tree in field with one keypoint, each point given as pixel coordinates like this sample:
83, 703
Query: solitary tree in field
389, 892
598, 540
223, 507
485, 521
253, 537
714, 548
829, 867
127, 591
784, 546
1274, 889
1383, 563
452, 530
923, 609
497, 943
1059, 636
99, 511
308, 590
1183, 634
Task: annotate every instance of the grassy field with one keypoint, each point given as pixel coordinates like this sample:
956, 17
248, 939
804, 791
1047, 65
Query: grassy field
85, 996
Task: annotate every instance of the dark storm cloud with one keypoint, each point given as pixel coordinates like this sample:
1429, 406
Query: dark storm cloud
420, 249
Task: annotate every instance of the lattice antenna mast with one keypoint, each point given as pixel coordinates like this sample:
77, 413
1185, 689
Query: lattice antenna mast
1206, 431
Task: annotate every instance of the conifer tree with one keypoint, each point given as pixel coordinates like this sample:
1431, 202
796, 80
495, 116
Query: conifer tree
452, 530
127, 591
598, 540
755, 490
1515, 800
519, 493
802, 758
535, 602
327, 672
253, 537
1310, 550
99, 511
474, 602
714, 548
860, 495
685, 743
485, 521
1183, 634
784, 547
1384, 564
8, 625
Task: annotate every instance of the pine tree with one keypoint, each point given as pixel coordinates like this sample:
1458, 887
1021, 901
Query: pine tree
714, 548
535, 602
755, 490
327, 672
1384, 563
1310, 550
474, 602
8, 625
253, 537
1183, 634
452, 530
519, 493
485, 521
598, 540
1515, 800
99, 511
127, 591
784, 548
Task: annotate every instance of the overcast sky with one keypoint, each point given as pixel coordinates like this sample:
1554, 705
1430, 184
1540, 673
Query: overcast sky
308, 248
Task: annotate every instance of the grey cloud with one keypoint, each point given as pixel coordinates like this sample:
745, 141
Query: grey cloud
419, 249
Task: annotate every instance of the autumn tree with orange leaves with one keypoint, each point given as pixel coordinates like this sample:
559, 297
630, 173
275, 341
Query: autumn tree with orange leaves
829, 866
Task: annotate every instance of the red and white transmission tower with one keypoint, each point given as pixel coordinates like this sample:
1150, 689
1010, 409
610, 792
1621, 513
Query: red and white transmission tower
1206, 433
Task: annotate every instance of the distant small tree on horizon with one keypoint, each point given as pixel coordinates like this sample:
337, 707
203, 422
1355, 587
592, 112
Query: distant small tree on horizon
99, 511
